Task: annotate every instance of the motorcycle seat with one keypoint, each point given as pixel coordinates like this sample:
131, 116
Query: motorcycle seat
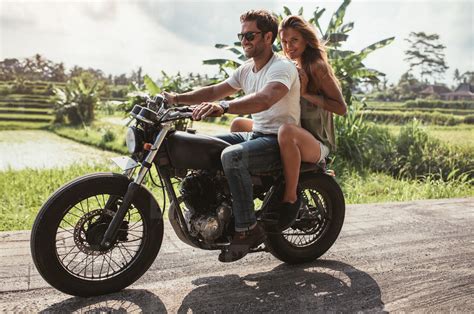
309, 166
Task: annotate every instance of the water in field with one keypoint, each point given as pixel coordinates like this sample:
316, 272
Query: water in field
41, 149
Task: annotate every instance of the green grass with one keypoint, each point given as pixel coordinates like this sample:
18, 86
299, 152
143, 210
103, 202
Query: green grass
385, 104
25, 110
21, 125
24, 191
26, 96
96, 135
459, 112
25, 117
377, 188
458, 135
405, 116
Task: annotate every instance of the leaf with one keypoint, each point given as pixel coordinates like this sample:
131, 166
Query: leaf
234, 50
214, 61
286, 11
380, 44
316, 16
300, 11
337, 17
336, 38
222, 63
220, 46
347, 27
151, 86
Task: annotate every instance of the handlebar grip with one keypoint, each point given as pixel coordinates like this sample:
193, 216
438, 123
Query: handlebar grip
184, 109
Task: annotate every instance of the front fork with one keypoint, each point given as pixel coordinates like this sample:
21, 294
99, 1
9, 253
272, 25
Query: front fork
114, 226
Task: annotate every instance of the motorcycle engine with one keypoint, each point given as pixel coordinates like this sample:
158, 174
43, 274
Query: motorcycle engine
207, 203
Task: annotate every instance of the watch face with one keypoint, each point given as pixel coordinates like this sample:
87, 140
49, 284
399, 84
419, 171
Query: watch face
224, 105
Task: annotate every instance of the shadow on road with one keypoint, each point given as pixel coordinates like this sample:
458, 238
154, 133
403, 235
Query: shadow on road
320, 286
324, 285
126, 301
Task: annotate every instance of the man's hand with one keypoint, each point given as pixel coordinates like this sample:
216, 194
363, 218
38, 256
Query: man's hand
170, 98
207, 109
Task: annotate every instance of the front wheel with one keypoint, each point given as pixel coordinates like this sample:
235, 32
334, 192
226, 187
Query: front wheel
319, 222
66, 236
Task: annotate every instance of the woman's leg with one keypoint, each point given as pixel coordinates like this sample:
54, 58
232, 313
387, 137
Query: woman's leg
296, 145
241, 125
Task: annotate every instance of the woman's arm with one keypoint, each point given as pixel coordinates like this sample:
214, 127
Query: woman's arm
331, 98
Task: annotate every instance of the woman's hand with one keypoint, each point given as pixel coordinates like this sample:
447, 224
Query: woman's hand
303, 81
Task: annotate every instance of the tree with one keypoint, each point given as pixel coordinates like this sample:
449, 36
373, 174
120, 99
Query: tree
457, 76
426, 54
10, 69
468, 77
347, 64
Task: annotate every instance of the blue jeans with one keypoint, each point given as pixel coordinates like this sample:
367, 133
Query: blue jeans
250, 152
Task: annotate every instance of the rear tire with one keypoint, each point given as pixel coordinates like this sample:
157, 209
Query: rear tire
320, 218
73, 218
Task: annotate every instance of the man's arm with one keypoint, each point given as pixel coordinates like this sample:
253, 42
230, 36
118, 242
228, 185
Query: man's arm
252, 103
204, 94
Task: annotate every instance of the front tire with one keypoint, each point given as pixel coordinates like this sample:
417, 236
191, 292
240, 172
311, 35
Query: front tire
319, 222
66, 235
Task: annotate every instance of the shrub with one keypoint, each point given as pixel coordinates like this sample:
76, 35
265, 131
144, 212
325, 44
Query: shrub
107, 136
412, 154
421, 103
360, 143
21, 86
469, 119
400, 117
417, 156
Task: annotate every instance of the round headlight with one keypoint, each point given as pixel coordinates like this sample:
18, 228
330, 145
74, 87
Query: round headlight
134, 140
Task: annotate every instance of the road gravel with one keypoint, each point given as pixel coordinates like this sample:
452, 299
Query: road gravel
410, 256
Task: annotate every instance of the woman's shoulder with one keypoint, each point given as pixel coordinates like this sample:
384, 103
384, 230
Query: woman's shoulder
319, 68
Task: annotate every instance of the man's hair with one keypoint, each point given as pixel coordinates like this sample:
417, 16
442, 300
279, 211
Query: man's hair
266, 22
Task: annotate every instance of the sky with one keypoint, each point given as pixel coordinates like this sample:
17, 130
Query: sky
118, 36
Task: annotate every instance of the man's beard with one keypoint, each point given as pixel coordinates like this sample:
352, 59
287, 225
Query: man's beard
255, 51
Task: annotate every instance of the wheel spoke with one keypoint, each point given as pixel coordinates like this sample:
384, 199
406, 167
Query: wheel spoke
313, 220
79, 234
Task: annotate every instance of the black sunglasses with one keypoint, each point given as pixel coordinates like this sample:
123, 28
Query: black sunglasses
248, 35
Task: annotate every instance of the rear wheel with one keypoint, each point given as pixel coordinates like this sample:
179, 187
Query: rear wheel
67, 233
319, 222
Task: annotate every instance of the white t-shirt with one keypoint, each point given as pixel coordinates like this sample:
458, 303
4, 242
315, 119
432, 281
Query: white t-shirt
277, 69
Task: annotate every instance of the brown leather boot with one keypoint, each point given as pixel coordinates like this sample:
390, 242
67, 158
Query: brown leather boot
241, 244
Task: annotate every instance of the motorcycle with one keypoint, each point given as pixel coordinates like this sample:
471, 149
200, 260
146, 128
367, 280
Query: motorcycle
101, 232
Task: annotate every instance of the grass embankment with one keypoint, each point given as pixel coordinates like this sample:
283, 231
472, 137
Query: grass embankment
103, 135
24, 191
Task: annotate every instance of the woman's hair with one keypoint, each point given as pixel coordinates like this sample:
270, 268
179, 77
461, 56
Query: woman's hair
315, 49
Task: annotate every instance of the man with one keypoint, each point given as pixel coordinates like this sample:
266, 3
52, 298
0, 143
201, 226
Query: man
272, 92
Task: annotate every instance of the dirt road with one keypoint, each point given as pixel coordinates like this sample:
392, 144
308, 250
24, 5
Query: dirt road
413, 256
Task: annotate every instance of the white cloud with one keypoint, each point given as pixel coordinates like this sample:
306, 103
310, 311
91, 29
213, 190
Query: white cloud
119, 36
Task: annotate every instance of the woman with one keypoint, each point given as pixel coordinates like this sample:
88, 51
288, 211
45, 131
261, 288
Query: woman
320, 97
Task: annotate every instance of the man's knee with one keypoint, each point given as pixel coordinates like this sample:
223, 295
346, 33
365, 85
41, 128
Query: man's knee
232, 157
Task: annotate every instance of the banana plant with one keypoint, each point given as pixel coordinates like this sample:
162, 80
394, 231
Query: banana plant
76, 102
347, 64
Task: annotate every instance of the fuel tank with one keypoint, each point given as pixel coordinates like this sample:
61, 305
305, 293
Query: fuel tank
195, 151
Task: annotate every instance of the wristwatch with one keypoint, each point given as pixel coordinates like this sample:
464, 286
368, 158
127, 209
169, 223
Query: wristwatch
224, 105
